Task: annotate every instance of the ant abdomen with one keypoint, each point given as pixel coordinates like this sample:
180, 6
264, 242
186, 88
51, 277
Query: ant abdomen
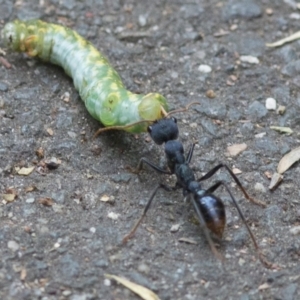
213, 212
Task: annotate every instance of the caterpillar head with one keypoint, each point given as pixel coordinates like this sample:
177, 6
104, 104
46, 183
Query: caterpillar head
152, 106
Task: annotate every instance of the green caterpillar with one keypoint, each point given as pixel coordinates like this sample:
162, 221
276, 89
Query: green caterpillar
98, 84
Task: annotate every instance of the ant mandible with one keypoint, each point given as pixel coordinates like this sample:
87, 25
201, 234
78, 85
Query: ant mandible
210, 209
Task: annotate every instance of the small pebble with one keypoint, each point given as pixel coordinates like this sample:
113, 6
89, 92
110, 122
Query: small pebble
1, 103
269, 11
174, 75
295, 16
105, 198
175, 228
72, 134
66, 97
249, 59
107, 282
241, 262
142, 20
92, 229
3, 87
58, 208
271, 104
204, 69
67, 293
143, 268
113, 215
260, 135
233, 27
30, 200
259, 187
281, 109
12, 245
295, 230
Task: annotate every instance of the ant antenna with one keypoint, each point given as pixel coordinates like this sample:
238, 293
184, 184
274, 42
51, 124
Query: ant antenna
182, 109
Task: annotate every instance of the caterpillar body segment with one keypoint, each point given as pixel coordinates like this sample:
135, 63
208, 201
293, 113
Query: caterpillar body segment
98, 84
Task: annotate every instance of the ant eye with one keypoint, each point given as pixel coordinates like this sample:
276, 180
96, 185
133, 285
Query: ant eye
174, 119
149, 129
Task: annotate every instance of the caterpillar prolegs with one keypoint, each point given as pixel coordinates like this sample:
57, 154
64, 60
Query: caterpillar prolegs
98, 84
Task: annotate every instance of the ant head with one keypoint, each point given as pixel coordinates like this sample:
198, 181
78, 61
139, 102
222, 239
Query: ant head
163, 130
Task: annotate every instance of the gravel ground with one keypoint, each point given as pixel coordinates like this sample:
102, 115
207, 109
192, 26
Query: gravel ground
62, 250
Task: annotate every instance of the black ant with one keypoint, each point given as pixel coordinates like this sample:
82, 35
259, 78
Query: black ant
209, 208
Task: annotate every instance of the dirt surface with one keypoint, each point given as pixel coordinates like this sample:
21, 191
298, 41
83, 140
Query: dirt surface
63, 250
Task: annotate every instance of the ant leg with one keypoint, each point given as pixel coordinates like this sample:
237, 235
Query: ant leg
150, 164
133, 230
216, 168
211, 190
190, 153
218, 184
207, 235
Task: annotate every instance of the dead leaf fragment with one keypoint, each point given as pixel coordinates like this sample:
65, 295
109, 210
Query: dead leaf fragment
30, 189
260, 135
276, 179
236, 171
9, 197
27, 229
89, 175
263, 286
286, 130
143, 292
288, 39
23, 274
40, 152
5, 62
236, 149
12, 191
220, 33
187, 240
249, 59
288, 160
46, 201
24, 171
229, 83
268, 174
210, 94
50, 131
2, 52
